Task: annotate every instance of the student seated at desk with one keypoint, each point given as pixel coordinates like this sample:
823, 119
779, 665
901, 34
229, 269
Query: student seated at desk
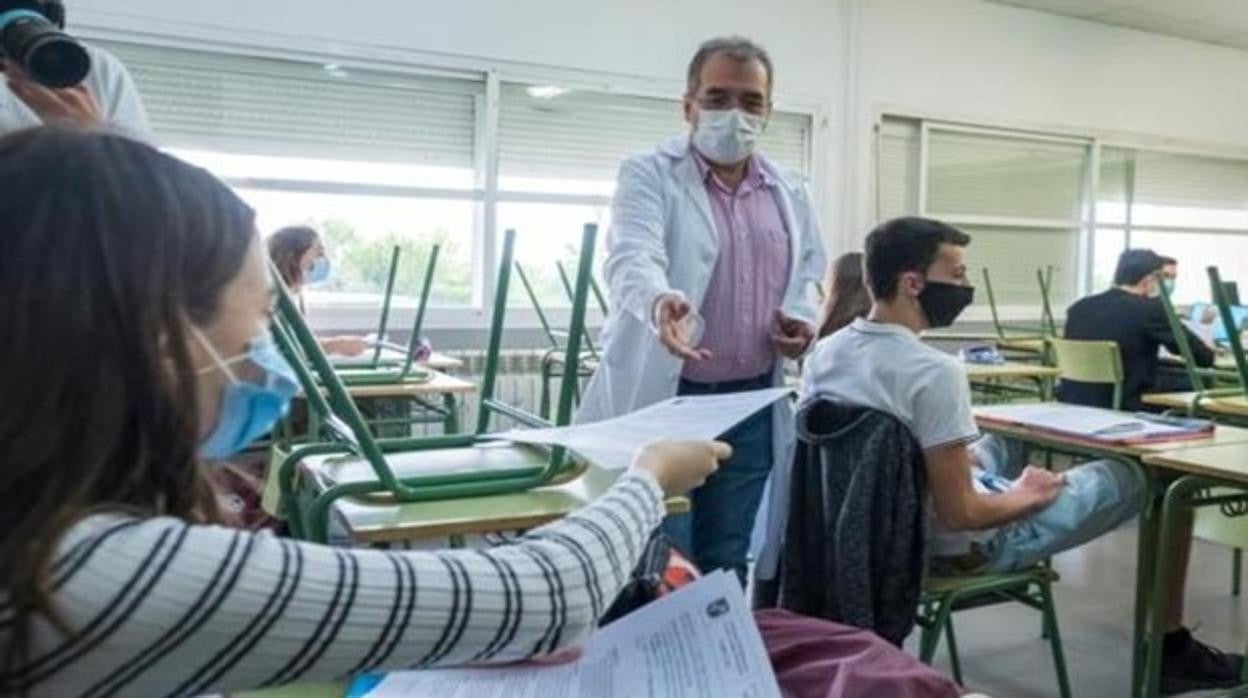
299, 255
137, 303
847, 298
1131, 314
992, 512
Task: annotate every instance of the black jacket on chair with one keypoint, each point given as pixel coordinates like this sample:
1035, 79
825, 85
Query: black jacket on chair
1140, 328
854, 544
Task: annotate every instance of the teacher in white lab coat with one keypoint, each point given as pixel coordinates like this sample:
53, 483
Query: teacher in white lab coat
711, 256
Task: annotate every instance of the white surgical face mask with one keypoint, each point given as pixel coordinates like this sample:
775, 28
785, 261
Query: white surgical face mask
727, 136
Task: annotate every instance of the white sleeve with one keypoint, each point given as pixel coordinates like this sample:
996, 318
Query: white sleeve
159, 606
636, 264
942, 406
118, 97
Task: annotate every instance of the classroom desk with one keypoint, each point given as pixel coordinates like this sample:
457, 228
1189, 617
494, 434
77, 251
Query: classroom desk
1134, 455
376, 520
439, 386
442, 362
1234, 407
990, 381
1199, 470
1224, 363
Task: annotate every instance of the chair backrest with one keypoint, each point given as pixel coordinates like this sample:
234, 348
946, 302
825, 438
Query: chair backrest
1045, 279
383, 324
419, 321
1090, 362
1221, 297
992, 304
1179, 332
854, 546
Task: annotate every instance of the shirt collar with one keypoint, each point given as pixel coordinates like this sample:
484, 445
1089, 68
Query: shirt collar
756, 176
866, 326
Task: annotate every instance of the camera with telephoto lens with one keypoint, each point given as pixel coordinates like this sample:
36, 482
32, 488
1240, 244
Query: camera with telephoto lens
31, 36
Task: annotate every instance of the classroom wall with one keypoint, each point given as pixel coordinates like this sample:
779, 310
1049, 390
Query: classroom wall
982, 62
957, 59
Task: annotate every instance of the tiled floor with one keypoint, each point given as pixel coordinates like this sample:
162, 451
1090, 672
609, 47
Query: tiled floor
1004, 657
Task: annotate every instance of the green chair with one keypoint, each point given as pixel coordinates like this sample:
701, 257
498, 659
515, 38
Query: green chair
943, 596
1029, 345
312, 478
380, 374
1045, 279
383, 322
552, 365
1089, 362
593, 286
1221, 298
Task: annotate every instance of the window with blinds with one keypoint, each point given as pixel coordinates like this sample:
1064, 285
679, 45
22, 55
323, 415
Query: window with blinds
547, 133
259, 106
1020, 197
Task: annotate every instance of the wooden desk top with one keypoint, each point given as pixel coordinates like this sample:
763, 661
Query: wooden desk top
1010, 369
1222, 435
1222, 362
438, 384
369, 522
1227, 462
1231, 406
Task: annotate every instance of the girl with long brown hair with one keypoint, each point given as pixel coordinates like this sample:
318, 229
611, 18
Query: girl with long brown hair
135, 322
847, 297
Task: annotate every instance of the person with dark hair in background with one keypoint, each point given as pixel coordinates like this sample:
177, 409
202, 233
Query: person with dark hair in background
136, 309
300, 257
847, 296
1131, 314
106, 99
710, 258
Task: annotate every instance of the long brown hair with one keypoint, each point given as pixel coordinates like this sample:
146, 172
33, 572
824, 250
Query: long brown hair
287, 248
107, 248
847, 297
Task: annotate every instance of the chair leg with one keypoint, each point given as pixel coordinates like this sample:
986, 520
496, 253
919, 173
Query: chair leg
954, 662
931, 634
1055, 638
1237, 566
544, 407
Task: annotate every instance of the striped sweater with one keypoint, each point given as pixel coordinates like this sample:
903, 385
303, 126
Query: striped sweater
161, 607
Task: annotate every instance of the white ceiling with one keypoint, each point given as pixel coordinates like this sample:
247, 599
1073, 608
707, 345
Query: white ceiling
1223, 22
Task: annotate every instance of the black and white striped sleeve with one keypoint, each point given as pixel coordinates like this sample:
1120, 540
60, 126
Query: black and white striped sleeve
162, 607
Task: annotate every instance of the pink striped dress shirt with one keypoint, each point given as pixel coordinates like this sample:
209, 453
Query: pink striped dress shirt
749, 280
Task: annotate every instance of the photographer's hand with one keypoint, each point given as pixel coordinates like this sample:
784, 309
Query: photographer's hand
72, 105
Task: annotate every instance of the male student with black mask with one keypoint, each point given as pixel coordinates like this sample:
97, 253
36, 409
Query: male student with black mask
991, 511
1131, 314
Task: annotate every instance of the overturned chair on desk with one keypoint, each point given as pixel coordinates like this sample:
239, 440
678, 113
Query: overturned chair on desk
854, 544
552, 364
387, 472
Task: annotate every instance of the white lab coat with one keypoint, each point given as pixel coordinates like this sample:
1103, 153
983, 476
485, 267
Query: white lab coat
663, 240
109, 82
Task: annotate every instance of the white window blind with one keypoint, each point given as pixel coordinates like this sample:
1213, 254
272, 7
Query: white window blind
1187, 190
1019, 197
897, 172
583, 135
261, 106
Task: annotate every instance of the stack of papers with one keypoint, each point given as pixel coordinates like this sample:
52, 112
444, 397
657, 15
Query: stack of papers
612, 443
1097, 424
701, 641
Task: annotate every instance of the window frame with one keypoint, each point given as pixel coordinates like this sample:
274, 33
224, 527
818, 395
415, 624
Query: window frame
486, 192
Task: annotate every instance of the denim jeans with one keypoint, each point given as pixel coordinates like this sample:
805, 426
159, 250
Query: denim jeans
1098, 497
715, 533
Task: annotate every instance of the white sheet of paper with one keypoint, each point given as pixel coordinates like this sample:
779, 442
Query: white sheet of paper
700, 642
1091, 422
612, 443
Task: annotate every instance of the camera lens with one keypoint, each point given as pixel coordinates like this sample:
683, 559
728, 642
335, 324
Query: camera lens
48, 55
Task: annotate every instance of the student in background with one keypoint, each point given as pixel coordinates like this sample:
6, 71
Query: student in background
1169, 273
992, 511
847, 298
145, 348
1131, 314
299, 255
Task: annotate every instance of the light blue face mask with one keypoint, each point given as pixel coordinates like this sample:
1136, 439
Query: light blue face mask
248, 410
319, 271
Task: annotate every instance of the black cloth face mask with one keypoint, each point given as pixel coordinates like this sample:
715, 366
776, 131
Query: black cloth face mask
943, 302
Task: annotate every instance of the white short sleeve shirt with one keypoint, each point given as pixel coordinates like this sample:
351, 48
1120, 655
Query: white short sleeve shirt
108, 82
